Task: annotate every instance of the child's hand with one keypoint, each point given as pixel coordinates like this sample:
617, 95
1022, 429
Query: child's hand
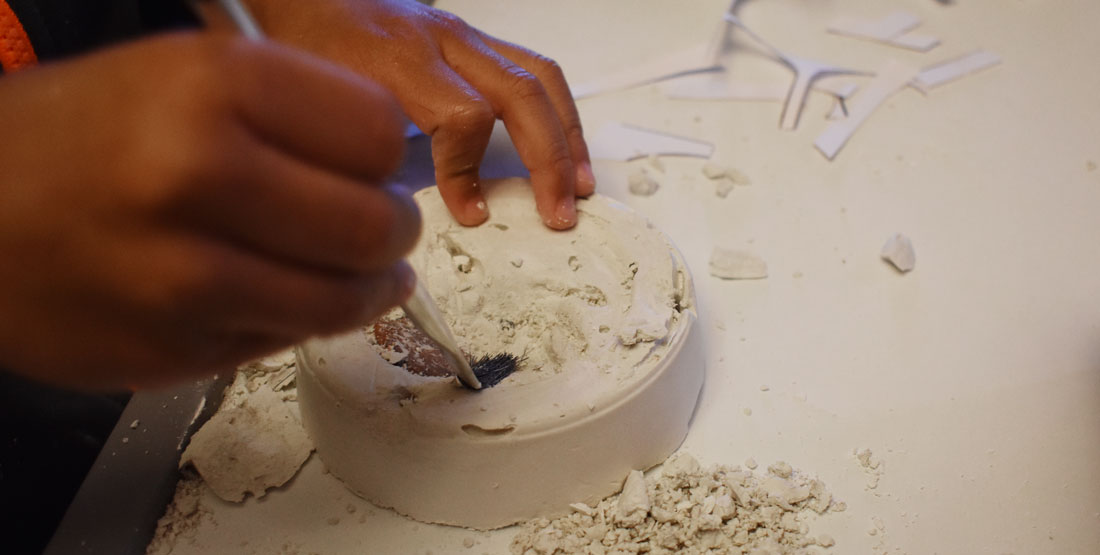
453, 81
177, 206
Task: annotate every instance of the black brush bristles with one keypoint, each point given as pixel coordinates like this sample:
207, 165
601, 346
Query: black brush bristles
491, 370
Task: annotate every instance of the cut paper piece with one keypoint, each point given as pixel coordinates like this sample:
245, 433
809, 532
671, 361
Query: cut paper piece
719, 86
736, 264
891, 78
893, 29
806, 72
899, 252
945, 72
698, 58
619, 141
914, 41
882, 29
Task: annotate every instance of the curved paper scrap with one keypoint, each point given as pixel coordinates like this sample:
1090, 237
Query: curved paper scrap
698, 58
620, 141
889, 80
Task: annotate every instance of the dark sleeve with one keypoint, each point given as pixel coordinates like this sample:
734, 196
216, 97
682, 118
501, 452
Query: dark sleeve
59, 28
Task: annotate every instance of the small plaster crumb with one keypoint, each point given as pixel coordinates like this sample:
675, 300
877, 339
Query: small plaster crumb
583, 509
736, 264
574, 263
714, 171
750, 463
656, 163
825, 540
517, 262
350, 509
747, 411
135, 424
641, 184
468, 543
125, 440
333, 520
898, 251
722, 188
463, 263
764, 388
781, 469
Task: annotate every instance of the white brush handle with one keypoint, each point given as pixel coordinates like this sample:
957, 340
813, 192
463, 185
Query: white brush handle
421, 309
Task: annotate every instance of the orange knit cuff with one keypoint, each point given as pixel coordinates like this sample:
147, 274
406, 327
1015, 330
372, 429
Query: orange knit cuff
16, 51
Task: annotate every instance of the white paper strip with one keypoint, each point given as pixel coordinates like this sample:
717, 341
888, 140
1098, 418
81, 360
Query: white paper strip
914, 41
944, 72
620, 141
888, 80
701, 57
719, 86
892, 29
883, 29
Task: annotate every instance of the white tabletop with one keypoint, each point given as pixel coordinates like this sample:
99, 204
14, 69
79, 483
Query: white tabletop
975, 377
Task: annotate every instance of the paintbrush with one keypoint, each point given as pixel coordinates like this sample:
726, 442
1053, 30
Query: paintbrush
420, 308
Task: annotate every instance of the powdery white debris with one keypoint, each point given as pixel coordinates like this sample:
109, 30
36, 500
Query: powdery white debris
898, 251
765, 388
872, 468
641, 184
135, 424
736, 264
181, 519
719, 509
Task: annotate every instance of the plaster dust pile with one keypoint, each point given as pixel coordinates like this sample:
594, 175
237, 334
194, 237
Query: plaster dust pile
690, 509
601, 317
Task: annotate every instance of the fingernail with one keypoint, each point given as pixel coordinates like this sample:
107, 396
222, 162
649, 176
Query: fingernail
586, 180
477, 210
565, 215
